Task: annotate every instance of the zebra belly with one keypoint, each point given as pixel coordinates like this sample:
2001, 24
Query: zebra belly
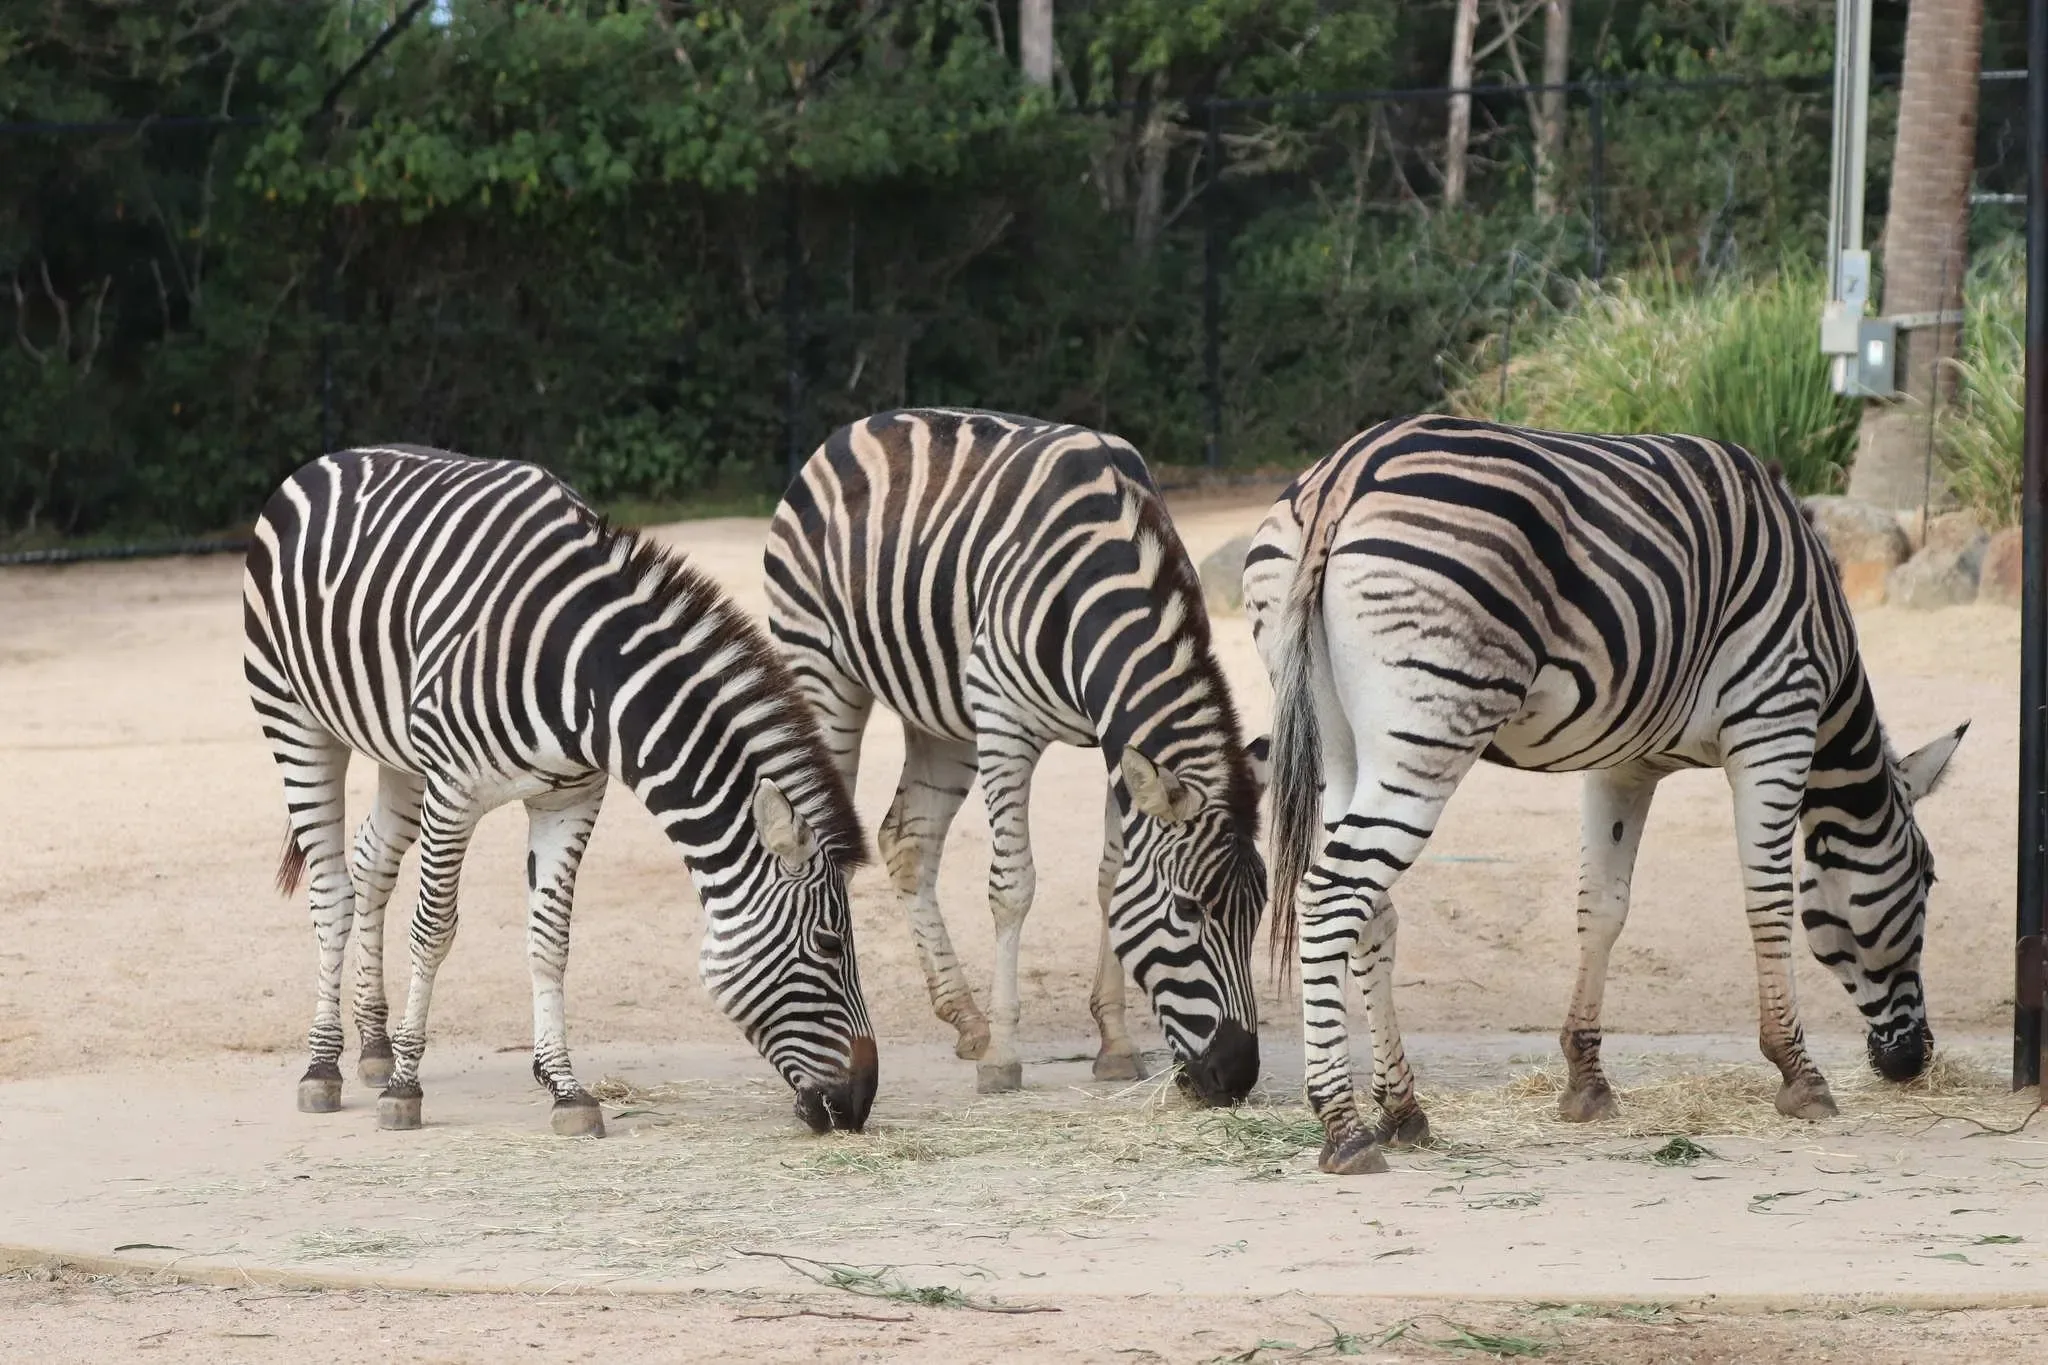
1561, 728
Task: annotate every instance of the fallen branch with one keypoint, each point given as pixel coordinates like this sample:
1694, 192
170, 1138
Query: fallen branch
815, 1313
882, 1282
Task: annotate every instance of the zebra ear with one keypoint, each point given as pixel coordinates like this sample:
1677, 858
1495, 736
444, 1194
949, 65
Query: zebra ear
783, 831
1260, 753
1923, 768
1156, 791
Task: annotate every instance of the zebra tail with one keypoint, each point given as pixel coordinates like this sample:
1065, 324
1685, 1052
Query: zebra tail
1297, 759
291, 868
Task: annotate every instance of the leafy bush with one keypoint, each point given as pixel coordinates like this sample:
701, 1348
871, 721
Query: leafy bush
1735, 360
1982, 433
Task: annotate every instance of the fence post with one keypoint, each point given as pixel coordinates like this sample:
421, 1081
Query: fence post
792, 328
2030, 977
1212, 288
1596, 121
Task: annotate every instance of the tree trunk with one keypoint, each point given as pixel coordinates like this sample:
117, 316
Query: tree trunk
1155, 148
1458, 135
1926, 245
1557, 55
1034, 40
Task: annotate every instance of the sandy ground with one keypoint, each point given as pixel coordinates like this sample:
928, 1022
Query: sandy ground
53, 1314
142, 818
154, 992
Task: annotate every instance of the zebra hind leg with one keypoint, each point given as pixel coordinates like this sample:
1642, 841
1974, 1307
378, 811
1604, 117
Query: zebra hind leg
558, 830
1006, 768
937, 774
1401, 1123
1613, 807
391, 827
315, 767
1118, 1059
446, 823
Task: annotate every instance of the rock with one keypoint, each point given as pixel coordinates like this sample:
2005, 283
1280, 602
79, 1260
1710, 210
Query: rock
1935, 578
1222, 572
1998, 580
1866, 543
1956, 531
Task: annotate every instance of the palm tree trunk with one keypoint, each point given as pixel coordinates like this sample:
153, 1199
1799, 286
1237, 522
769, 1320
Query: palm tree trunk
1926, 247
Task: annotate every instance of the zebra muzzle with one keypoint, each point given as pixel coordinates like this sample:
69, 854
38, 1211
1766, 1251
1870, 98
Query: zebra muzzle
1225, 1071
843, 1103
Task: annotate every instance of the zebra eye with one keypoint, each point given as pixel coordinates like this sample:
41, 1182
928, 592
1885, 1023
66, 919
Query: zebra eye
1187, 908
830, 944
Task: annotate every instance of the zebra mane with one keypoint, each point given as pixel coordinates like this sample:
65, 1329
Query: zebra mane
669, 580
1177, 578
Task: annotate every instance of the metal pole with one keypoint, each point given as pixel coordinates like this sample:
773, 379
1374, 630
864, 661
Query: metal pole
1596, 121
1212, 290
792, 329
2033, 846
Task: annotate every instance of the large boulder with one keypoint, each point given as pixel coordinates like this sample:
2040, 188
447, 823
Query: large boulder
1865, 541
1998, 580
1222, 572
1958, 531
1936, 578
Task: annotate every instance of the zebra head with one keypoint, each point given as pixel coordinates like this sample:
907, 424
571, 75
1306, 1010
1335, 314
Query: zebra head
1863, 898
782, 967
1185, 908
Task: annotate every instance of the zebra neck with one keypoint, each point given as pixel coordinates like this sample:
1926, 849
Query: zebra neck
1850, 770
1172, 705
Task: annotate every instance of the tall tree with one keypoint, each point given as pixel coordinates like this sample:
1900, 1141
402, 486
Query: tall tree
1034, 40
1926, 244
1458, 135
1557, 52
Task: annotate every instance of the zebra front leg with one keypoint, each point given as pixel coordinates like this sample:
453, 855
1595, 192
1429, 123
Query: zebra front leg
315, 767
558, 829
1767, 800
912, 836
1006, 767
1118, 1058
391, 827
446, 823
1401, 1122
1614, 804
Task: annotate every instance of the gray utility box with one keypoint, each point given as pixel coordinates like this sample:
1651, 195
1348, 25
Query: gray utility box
1870, 371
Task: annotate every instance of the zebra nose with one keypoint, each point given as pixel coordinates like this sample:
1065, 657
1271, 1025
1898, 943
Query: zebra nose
1227, 1069
844, 1103
1904, 1057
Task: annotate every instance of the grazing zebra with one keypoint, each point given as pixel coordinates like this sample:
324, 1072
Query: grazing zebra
477, 631
1441, 591
1003, 584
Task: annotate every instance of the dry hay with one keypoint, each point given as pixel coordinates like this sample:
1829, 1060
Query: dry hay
696, 1169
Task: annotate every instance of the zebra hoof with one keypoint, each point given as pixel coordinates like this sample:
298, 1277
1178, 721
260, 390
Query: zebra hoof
577, 1116
320, 1089
373, 1066
1118, 1066
1411, 1130
1587, 1103
972, 1044
397, 1111
1358, 1154
1807, 1098
998, 1078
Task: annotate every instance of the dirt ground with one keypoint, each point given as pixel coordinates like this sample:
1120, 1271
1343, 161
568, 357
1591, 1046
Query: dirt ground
138, 929
58, 1313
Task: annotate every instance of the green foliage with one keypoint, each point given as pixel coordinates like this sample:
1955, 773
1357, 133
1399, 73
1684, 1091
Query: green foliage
1982, 433
558, 230
1734, 360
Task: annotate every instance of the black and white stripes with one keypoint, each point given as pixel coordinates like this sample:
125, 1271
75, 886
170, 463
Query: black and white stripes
1440, 591
1004, 584
475, 630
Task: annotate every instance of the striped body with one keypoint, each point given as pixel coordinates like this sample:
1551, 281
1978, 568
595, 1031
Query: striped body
475, 630
1004, 584
1440, 591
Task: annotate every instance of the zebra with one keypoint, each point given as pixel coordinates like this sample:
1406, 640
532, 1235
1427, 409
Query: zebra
1002, 584
476, 630
1440, 591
